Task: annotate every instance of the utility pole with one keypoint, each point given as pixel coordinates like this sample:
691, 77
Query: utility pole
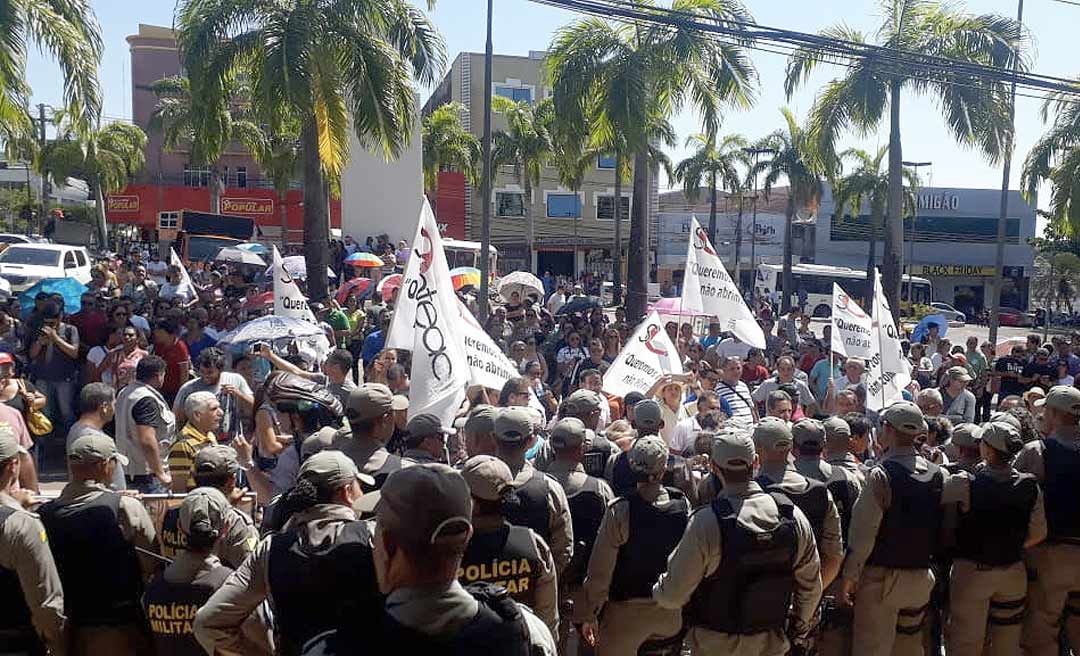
485, 184
755, 152
44, 174
914, 219
999, 255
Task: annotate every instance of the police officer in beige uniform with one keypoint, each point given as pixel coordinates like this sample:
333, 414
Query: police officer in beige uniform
499, 553
746, 567
636, 535
543, 506
479, 431
999, 515
370, 411
895, 530
31, 599
963, 449
1054, 565
425, 441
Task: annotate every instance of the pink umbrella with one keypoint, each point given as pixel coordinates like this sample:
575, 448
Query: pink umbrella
387, 286
673, 306
356, 285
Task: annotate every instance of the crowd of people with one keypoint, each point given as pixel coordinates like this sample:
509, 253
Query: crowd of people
757, 503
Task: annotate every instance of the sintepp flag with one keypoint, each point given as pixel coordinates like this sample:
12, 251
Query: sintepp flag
852, 328
895, 370
288, 300
647, 355
707, 288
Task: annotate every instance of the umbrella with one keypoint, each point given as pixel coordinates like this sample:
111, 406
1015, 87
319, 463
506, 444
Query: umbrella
71, 289
522, 282
387, 286
358, 285
362, 259
270, 328
923, 329
296, 265
239, 256
251, 246
580, 304
258, 301
673, 306
465, 276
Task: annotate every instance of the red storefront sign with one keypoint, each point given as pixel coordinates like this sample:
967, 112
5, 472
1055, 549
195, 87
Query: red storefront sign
247, 206
122, 204
450, 204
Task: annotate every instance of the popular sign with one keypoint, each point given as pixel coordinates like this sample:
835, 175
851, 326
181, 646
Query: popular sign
247, 205
122, 203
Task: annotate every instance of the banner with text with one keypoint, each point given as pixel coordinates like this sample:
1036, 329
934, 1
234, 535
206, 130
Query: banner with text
647, 355
852, 328
288, 300
489, 366
709, 289
895, 369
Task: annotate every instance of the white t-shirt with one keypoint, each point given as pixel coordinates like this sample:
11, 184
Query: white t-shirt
95, 357
156, 271
682, 438
556, 301
731, 347
181, 291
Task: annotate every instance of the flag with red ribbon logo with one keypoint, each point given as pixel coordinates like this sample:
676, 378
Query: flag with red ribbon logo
647, 355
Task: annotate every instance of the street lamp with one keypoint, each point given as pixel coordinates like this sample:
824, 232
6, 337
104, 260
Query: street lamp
485, 184
914, 219
755, 152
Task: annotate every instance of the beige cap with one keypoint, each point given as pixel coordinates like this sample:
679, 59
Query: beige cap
443, 516
1003, 437
808, 431
9, 446
648, 455
329, 470
966, 435
568, 433
317, 441
481, 419
733, 449
1008, 418
95, 447
369, 401
836, 429
426, 424
581, 402
958, 373
216, 460
514, 425
399, 402
1062, 397
648, 417
205, 509
487, 476
905, 417
1033, 395
772, 433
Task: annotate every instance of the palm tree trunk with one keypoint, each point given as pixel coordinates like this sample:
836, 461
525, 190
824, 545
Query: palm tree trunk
282, 201
316, 234
616, 259
102, 225
637, 278
738, 245
712, 211
785, 297
875, 221
530, 227
216, 187
894, 223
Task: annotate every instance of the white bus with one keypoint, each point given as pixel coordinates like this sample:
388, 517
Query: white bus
817, 280
467, 253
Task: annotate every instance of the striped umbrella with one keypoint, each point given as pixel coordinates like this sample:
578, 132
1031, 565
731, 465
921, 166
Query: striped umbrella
387, 286
358, 286
465, 276
362, 259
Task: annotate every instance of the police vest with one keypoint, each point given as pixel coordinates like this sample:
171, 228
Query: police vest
389, 466
652, 537
840, 489
316, 587
623, 479
813, 501
910, 529
596, 455
498, 629
170, 609
1061, 488
751, 589
172, 538
587, 509
98, 567
993, 530
17, 632
956, 468
505, 557
533, 511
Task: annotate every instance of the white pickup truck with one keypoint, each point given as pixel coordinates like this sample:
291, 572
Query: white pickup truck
24, 265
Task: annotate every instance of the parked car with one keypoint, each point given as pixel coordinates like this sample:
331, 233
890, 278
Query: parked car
1008, 316
24, 265
949, 312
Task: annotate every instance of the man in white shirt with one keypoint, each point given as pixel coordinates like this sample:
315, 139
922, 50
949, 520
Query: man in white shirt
732, 347
854, 368
682, 439
785, 374
735, 392
557, 300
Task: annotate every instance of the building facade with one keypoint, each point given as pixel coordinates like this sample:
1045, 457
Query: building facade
574, 230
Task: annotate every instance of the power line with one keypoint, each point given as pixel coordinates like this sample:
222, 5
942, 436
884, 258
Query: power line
1068, 2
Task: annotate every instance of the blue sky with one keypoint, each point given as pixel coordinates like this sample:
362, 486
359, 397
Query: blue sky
521, 26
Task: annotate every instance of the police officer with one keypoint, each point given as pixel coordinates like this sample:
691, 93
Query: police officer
895, 530
480, 431
636, 535
173, 597
425, 440
746, 566
1054, 565
773, 441
543, 506
216, 467
649, 419
586, 405
838, 449
93, 533
31, 599
499, 553
1000, 515
963, 449
370, 412
418, 550
315, 572
809, 436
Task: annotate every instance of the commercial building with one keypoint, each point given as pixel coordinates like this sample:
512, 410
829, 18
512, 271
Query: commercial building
574, 229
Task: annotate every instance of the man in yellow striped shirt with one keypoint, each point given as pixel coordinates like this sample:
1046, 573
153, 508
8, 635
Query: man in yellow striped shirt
204, 415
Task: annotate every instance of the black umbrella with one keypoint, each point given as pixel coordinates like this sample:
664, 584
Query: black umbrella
581, 304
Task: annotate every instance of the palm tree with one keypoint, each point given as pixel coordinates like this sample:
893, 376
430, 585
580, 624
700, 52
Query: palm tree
325, 63
716, 163
1055, 158
278, 155
796, 158
206, 132
448, 145
975, 108
107, 158
526, 146
619, 81
868, 184
65, 29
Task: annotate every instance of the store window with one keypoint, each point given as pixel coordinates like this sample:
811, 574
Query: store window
605, 208
509, 203
566, 206
605, 161
517, 94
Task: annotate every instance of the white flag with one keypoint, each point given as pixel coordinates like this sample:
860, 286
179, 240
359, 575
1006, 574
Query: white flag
425, 321
895, 371
707, 288
647, 355
288, 300
488, 365
852, 329
185, 277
